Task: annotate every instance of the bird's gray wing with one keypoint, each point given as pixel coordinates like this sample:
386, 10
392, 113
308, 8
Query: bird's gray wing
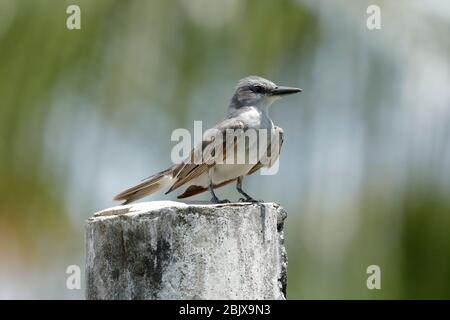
269, 158
207, 153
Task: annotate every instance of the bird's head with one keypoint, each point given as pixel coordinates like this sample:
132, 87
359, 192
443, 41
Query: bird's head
259, 92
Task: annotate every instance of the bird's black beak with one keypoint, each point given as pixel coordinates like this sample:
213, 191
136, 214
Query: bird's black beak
282, 91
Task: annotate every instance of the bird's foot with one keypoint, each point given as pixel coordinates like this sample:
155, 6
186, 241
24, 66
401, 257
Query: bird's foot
217, 201
250, 199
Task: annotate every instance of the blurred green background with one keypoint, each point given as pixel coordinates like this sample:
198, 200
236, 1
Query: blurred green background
365, 168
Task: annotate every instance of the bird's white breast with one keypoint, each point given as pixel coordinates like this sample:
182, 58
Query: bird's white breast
256, 118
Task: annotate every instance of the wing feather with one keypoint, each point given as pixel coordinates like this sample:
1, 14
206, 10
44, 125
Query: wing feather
272, 158
204, 156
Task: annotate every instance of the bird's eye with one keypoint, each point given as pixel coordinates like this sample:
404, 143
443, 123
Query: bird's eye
258, 89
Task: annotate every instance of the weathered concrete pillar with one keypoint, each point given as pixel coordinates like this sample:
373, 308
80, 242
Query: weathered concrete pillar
172, 250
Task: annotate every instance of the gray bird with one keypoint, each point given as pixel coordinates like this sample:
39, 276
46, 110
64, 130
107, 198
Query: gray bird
212, 164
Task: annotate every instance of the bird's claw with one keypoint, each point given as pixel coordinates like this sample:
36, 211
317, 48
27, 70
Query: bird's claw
251, 200
217, 201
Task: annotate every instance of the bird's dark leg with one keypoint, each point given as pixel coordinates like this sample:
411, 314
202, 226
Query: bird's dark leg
214, 198
246, 198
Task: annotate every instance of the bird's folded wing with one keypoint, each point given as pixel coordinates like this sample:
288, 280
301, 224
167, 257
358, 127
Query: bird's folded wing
273, 151
214, 147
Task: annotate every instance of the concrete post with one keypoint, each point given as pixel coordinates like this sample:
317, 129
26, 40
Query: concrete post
172, 250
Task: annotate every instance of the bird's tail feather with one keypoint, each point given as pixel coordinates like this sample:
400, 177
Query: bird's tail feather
147, 187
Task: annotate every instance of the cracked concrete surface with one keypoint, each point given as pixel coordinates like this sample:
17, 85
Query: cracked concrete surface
173, 250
